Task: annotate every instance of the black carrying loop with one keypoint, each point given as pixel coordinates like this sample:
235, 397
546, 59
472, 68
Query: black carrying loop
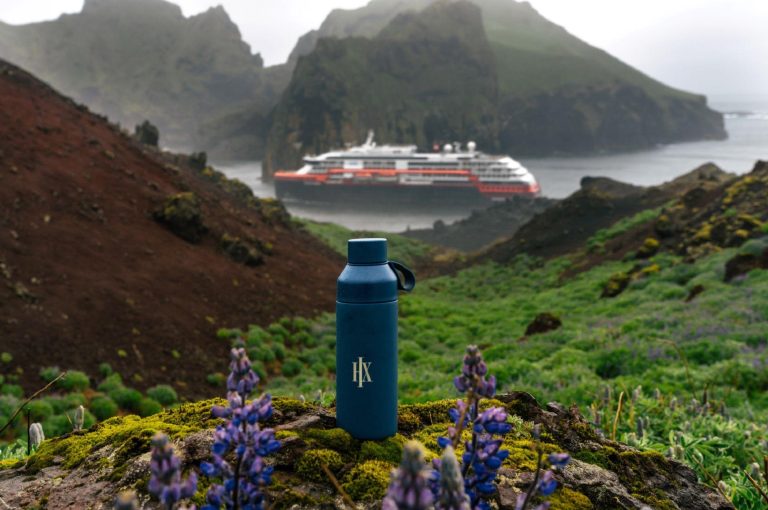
406, 280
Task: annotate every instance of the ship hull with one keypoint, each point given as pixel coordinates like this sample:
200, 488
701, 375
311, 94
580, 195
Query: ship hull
290, 190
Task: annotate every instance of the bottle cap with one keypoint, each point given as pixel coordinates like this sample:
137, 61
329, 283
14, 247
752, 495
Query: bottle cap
367, 251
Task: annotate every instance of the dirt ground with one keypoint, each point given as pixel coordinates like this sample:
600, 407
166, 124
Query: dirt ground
88, 276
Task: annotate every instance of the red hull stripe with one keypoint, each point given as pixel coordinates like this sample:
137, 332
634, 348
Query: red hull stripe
486, 189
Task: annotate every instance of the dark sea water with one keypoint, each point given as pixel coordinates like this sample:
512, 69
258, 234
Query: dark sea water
746, 120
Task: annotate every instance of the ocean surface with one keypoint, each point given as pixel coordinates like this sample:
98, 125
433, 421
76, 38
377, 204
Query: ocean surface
746, 120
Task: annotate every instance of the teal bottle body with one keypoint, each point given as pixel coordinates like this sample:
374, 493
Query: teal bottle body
366, 342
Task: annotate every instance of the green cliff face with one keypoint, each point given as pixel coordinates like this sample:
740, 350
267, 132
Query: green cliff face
144, 60
427, 77
553, 92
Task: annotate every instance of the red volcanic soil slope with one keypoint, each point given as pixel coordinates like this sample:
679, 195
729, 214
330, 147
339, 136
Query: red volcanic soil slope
88, 276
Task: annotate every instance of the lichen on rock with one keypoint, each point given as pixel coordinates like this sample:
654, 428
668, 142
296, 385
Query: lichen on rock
95, 465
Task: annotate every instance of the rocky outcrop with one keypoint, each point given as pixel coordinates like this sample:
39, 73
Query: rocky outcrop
566, 226
93, 466
484, 226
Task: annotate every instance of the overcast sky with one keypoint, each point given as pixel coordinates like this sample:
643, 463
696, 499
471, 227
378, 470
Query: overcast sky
708, 46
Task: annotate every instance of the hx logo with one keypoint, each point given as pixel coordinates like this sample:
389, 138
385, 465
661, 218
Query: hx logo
360, 373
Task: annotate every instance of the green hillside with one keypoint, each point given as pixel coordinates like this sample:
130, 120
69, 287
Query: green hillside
673, 362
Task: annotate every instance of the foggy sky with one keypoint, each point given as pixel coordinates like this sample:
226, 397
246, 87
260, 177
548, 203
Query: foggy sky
714, 47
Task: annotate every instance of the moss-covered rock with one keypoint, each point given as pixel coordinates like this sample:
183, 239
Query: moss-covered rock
182, 215
93, 466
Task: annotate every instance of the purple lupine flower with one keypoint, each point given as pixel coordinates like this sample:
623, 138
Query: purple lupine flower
482, 453
473, 373
410, 485
242, 482
547, 484
451, 492
165, 482
559, 460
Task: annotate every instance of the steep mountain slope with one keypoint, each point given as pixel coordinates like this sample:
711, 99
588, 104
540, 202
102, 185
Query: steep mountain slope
109, 253
556, 94
144, 60
427, 76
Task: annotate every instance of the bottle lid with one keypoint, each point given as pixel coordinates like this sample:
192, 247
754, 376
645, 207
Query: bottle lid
367, 251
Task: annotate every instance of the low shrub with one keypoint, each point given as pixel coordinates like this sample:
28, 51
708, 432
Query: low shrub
164, 394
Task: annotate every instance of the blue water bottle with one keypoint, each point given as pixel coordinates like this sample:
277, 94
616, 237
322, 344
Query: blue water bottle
366, 339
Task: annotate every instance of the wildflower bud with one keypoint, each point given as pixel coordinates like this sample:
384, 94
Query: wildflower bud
636, 394
657, 394
451, 495
165, 481
410, 485
77, 422
36, 435
724, 488
678, 452
673, 403
126, 500
754, 471
536, 432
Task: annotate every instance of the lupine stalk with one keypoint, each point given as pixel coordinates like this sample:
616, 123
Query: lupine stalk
242, 483
482, 452
165, 482
451, 494
410, 485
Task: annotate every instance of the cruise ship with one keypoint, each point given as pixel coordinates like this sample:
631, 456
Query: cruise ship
397, 173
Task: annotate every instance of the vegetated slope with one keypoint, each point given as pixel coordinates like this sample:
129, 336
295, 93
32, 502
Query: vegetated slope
427, 76
91, 270
556, 93
142, 59
566, 226
660, 341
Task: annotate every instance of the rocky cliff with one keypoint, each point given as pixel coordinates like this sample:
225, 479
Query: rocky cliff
143, 59
554, 93
426, 77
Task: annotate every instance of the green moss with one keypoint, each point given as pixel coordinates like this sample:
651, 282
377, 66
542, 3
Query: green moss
292, 407
368, 481
407, 421
568, 499
522, 453
335, 439
129, 435
602, 457
632, 468
10, 464
429, 434
390, 449
310, 464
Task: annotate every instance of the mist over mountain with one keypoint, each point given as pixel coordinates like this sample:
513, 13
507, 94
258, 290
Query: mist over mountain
144, 60
518, 83
554, 93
